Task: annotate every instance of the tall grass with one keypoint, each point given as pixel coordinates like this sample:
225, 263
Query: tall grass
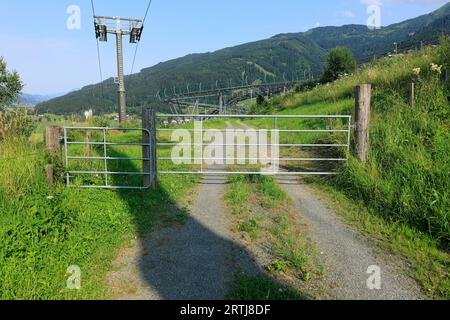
407, 177
45, 229
385, 74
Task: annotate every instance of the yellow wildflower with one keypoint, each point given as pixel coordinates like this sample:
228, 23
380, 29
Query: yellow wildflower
436, 68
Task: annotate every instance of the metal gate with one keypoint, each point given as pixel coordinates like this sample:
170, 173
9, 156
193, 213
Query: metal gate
179, 121
150, 148
102, 153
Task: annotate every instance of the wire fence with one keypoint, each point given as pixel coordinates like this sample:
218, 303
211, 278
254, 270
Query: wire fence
400, 48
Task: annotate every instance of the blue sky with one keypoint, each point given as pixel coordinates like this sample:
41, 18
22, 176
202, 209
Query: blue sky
36, 42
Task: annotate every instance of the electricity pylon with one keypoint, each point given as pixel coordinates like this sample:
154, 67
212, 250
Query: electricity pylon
119, 27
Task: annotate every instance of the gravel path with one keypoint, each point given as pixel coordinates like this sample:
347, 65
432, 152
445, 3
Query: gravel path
346, 255
193, 261
197, 260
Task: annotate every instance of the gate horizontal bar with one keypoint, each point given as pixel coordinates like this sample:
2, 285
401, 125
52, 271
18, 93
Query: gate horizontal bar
110, 173
251, 173
254, 116
109, 143
107, 158
252, 159
250, 145
107, 129
259, 130
109, 187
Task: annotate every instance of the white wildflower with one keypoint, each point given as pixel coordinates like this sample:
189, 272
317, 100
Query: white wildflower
436, 68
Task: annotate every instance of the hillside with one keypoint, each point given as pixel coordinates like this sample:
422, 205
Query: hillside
400, 196
30, 100
271, 58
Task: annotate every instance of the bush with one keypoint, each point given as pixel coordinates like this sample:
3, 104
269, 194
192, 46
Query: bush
340, 62
15, 123
407, 178
306, 86
10, 85
100, 121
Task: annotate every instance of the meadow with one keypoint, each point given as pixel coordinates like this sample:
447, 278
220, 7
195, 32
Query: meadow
400, 196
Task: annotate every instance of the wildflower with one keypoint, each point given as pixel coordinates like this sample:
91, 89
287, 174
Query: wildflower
436, 68
417, 71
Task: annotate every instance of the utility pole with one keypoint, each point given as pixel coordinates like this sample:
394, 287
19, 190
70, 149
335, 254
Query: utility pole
119, 27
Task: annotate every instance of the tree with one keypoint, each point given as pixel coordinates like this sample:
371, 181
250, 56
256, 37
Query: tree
260, 100
10, 85
340, 61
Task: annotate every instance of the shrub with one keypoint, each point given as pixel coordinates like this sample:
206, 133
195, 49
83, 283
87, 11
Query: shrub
10, 85
340, 62
15, 123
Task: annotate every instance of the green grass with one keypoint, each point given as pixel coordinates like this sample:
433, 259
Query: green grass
268, 220
428, 264
403, 189
45, 229
262, 288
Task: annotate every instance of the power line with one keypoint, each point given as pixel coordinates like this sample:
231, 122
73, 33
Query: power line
99, 60
93, 7
137, 44
146, 12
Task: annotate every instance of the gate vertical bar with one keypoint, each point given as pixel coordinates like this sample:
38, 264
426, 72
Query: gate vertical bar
146, 166
66, 155
274, 154
149, 153
349, 133
153, 151
105, 152
201, 144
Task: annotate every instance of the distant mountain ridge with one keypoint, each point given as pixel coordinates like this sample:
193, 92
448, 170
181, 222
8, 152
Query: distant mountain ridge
30, 100
284, 56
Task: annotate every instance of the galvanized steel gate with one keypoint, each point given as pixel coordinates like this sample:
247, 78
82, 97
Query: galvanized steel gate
275, 120
104, 144
150, 153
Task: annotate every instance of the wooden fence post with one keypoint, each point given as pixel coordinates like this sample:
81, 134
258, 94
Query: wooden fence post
411, 94
49, 172
149, 150
444, 77
88, 149
362, 115
52, 142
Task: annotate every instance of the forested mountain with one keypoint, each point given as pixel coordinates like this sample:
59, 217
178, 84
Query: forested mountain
284, 56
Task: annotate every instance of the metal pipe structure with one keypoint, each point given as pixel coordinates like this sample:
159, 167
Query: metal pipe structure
105, 158
113, 25
121, 89
274, 159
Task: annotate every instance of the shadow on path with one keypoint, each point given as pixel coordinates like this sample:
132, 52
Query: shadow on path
182, 253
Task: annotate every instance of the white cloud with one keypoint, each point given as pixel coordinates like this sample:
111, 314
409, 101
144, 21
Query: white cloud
349, 14
371, 2
410, 2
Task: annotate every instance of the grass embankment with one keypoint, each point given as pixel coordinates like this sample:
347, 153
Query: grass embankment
261, 213
401, 194
45, 229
